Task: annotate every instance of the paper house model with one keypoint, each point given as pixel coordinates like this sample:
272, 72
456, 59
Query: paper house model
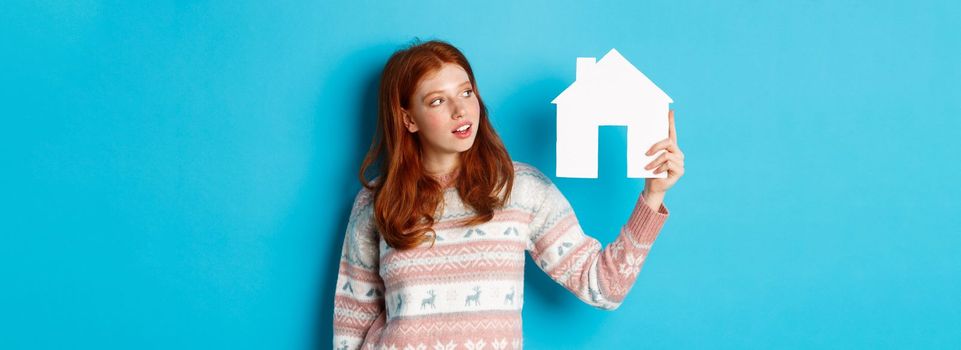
609, 92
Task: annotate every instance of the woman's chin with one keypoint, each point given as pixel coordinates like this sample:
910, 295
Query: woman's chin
462, 150
468, 147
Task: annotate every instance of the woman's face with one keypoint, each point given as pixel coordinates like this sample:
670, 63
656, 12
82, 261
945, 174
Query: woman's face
442, 103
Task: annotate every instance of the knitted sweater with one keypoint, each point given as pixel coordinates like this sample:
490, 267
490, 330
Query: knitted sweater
467, 291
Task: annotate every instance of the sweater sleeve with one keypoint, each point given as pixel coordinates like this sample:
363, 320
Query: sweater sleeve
599, 277
359, 294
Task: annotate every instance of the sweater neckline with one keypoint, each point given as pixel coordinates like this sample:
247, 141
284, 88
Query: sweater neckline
446, 180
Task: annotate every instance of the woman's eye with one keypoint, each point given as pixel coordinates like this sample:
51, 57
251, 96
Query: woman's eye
435, 102
467, 93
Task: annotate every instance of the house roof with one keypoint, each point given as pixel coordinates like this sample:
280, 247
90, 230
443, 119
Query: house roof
612, 71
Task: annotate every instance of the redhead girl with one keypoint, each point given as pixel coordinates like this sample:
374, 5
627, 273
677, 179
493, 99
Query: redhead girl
434, 253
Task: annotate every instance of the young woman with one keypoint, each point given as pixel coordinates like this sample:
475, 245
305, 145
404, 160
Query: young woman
433, 256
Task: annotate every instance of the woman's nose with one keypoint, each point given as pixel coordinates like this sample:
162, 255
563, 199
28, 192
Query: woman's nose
460, 108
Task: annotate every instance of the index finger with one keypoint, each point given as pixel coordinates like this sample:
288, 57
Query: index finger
671, 132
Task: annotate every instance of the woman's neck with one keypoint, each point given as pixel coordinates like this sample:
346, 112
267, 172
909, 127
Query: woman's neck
444, 170
441, 166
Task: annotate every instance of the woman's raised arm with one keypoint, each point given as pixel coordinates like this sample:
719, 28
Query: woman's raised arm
599, 277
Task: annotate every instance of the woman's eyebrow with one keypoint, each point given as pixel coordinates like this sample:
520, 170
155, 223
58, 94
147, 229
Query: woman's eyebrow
436, 91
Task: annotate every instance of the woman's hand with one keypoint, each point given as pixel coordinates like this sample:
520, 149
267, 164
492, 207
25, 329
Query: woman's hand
671, 161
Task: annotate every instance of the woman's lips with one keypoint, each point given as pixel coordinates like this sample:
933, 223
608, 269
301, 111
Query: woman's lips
468, 124
466, 133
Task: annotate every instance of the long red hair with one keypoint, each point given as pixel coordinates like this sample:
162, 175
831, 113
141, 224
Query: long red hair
405, 197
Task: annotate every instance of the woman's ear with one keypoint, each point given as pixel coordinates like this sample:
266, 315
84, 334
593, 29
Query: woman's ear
409, 122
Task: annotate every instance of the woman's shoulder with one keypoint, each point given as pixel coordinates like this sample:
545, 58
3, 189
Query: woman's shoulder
527, 175
364, 197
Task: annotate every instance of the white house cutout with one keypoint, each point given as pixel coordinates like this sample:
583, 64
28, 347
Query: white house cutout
609, 92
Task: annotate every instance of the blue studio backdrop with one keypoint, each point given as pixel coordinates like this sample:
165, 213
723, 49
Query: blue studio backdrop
178, 174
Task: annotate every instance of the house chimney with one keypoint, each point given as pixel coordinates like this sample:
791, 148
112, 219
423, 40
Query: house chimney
584, 67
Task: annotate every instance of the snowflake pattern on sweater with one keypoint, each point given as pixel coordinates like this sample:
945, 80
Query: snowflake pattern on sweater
467, 291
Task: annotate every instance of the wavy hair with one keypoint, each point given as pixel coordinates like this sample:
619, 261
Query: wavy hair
405, 197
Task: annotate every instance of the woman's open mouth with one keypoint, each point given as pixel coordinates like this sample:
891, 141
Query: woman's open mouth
463, 131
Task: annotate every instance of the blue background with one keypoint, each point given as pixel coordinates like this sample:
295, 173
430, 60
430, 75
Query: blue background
178, 174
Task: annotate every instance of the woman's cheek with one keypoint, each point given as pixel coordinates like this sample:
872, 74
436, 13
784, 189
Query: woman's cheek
475, 106
437, 122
